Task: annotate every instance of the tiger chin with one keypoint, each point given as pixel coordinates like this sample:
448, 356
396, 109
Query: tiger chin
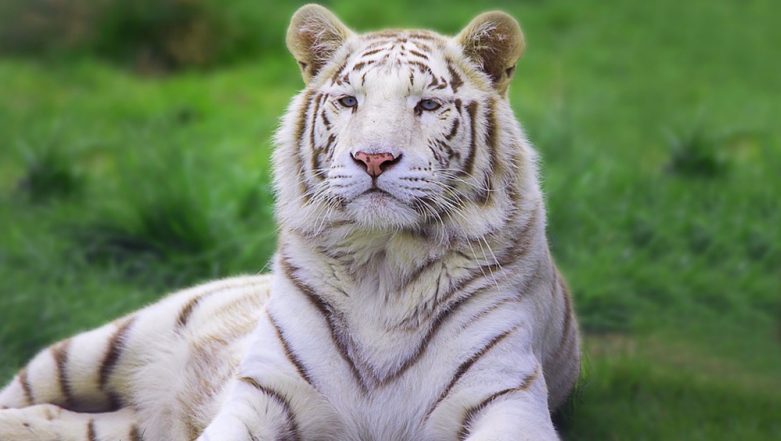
413, 295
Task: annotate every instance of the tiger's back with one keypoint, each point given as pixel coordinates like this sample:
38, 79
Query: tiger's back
168, 362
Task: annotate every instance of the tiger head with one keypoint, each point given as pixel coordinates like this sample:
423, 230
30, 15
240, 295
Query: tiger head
402, 130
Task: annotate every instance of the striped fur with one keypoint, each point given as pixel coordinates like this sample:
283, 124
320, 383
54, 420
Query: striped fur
422, 304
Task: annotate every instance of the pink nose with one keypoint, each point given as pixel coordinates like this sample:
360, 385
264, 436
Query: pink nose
376, 163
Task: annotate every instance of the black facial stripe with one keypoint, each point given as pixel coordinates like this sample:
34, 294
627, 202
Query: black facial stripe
418, 54
455, 79
453, 129
471, 110
491, 135
361, 64
312, 128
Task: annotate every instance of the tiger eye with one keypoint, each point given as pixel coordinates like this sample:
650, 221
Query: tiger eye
429, 105
348, 101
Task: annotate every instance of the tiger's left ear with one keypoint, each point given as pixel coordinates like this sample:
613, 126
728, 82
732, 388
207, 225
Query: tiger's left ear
313, 36
494, 41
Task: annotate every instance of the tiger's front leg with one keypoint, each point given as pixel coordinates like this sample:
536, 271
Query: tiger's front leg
517, 413
256, 412
271, 398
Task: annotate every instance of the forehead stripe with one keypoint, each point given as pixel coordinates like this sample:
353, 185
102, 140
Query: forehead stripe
422, 67
418, 54
455, 78
338, 72
359, 65
421, 36
372, 51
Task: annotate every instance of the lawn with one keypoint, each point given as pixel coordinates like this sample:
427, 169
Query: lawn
658, 127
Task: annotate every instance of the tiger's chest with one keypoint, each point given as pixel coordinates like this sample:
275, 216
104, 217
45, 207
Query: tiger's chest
403, 409
379, 383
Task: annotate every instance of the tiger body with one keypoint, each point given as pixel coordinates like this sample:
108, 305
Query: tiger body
412, 297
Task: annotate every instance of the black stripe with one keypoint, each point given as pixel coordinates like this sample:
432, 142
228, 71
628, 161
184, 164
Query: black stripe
442, 318
473, 411
361, 64
567, 336
326, 310
469, 163
186, 312
491, 135
422, 36
251, 435
299, 138
115, 347
326, 122
338, 72
453, 129
60, 353
455, 79
418, 272
422, 67
293, 434
423, 46
486, 189
91, 435
372, 51
464, 367
487, 311
418, 54
291, 355
314, 162
135, 435
436, 154
193, 429
26, 387
379, 43
329, 147
449, 150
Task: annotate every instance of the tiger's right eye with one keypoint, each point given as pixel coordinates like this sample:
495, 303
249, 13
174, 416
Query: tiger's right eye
348, 101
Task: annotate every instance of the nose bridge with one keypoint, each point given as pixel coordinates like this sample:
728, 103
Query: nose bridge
384, 128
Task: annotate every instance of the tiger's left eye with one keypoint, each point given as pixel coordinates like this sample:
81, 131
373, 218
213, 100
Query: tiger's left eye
348, 101
429, 105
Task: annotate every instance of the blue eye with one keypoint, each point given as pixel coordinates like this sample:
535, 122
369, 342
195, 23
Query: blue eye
429, 105
348, 101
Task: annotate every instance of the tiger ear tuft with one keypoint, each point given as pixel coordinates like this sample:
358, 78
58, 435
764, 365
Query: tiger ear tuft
494, 41
313, 36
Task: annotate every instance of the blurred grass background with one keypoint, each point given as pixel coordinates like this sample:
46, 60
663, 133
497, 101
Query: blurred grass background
134, 159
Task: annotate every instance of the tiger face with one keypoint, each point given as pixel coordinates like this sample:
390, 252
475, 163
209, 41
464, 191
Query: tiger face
398, 130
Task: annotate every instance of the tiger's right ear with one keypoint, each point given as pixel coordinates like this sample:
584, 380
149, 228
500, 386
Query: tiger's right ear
494, 41
313, 36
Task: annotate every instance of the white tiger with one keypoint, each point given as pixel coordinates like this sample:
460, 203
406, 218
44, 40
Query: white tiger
413, 295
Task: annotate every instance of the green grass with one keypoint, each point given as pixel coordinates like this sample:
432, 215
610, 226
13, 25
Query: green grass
658, 127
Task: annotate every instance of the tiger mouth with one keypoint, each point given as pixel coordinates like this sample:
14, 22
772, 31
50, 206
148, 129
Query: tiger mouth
375, 191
